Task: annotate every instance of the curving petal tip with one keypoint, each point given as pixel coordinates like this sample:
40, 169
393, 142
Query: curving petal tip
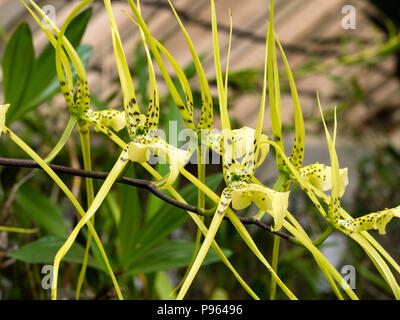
376, 220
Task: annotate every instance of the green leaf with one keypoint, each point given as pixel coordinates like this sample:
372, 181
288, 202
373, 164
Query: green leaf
42, 211
163, 286
45, 249
166, 220
17, 64
170, 255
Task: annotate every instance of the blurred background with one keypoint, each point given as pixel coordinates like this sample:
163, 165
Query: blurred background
356, 70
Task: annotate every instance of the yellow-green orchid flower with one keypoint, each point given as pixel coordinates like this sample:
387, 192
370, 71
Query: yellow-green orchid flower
243, 150
376, 220
238, 176
3, 111
320, 176
65, 52
240, 150
142, 128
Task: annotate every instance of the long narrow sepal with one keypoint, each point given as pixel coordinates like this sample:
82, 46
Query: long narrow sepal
215, 223
131, 107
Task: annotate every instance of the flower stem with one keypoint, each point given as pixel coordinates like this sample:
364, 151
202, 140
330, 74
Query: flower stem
64, 138
85, 145
282, 179
18, 230
324, 236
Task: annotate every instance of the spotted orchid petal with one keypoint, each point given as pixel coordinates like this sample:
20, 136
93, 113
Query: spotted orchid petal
131, 107
186, 110
320, 176
175, 157
3, 111
334, 204
266, 199
274, 88
376, 220
110, 118
153, 110
64, 52
206, 118
297, 154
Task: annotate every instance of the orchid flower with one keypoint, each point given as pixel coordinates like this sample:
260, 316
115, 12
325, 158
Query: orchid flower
376, 220
80, 104
77, 97
240, 150
243, 150
142, 128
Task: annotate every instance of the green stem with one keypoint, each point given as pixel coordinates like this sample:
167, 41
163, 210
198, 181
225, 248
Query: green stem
69, 195
64, 138
201, 175
282, 179
324, 236
275, 257
85, 145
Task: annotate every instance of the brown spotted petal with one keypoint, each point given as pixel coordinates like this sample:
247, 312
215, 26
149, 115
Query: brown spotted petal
320, 175
376, 220
224, 202
110, 118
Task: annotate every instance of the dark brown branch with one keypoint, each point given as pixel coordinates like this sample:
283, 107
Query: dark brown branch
139, 183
